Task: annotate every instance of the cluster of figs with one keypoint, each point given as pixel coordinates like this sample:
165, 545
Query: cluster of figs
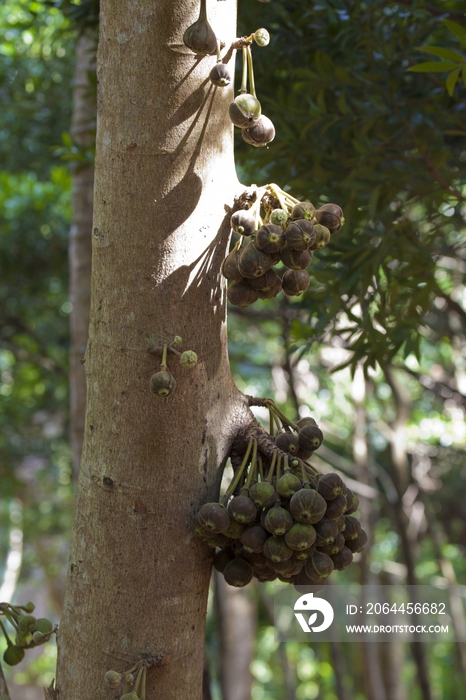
245, 111
29, 631
280, 519
288, 239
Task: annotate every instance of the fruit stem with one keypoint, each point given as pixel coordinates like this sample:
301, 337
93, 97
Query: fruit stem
271, 404
272, 467
177, 352
286, 466
219, 58
8, 640
252, 469
163, 366
252, 86
261, 468
239, 473
203, 11
272, 423
11, 619
138, 679
143, 684
131, 670
244, 79
279, 464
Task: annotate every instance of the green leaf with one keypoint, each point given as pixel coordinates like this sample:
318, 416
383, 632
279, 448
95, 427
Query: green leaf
451, 80
443, 53
456, 29
435, 66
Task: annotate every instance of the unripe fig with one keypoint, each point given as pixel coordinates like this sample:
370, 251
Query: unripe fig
305, 421
223, 557
242, 294
243, 222
336, 507
307, 506
43, 625
27, 623
263, 494
220, 75
352, 527
37, 638
112, 679
330, 486
342, 559
319, 566
303, 554
295, 282
279, 217
188, 359
200, 37
295, 259
260, 132
303, 210
253, 262
265, 282
213, 517
230, 267
13, 655
331, 216
288, 484
300, 234
326, 531
29, 608
335, 546
272, 292
300, 537
253, 539
277, 521
242, 509
162, 384
322, 237
234, 529
287, 442
23, 639
244, 110
358, 544
270, 238
130, 696
310, 437
261, 37
238, 572
276, 549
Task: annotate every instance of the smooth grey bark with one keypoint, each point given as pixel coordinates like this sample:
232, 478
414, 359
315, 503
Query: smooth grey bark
138, 577
80, 246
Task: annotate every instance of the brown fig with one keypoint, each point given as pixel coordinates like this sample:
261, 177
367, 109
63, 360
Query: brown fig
213, 517
270, 238
238, 572
300, 537
342, 559
300, 234
243, 222
322, 237
253, 262
273, 291
295, 282
331, 216
200, 37
263, 494
162, 384
336, 507
333, 547
330, 486
276, 549
265, 282
310, 437
253, 538
303, 210
287, 442
220, 75
358, 544
326, 531
245, 110
223, 557
295, 259
242, 294
319, 566
307, 506
242, 509
288, 484
352, 527
277, 521
260, 133
230, 267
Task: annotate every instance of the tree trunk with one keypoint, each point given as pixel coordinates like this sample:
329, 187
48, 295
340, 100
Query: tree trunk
80, 248
138, 577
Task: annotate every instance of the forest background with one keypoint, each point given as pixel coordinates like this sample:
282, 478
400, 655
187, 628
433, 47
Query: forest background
375, 349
